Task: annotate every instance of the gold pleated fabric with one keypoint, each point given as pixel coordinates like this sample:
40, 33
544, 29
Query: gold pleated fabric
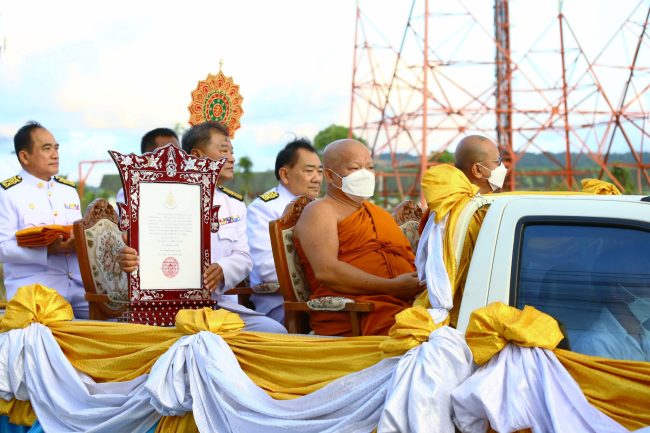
19, 412
412, 327
35, 303
446, 190
285, 366
620, 389
289, 366
491, 328
206, 319
177, 424
597, 186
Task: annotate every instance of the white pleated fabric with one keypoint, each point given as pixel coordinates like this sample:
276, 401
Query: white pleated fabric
33, 367
419, 396
431, 267
201, 372
526, 388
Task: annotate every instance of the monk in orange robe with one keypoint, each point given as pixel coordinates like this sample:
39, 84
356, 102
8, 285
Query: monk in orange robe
351, 248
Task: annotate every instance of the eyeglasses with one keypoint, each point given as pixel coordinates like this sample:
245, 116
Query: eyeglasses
499, 161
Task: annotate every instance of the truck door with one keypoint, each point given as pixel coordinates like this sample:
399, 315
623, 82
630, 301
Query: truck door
584, 261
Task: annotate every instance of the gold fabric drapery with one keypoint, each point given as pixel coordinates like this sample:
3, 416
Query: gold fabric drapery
288, 366
285, 366
620, 389
446, 190
597, 186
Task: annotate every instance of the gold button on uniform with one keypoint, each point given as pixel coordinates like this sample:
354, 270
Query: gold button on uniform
56, 213
40, 185
49, 194
32, 206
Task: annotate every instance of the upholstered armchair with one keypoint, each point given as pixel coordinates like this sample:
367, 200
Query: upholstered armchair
98, 240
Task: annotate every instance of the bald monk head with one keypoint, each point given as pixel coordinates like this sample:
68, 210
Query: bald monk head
478, 157
349, 172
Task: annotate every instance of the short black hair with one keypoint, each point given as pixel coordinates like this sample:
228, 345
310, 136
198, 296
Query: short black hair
149, 139
199, 135
288, 157
23, 138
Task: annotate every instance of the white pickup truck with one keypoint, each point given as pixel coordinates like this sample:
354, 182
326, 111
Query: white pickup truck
584, 259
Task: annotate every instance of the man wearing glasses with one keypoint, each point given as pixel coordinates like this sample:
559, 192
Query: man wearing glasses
478, 158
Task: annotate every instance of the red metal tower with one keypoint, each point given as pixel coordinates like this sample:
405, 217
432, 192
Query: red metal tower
458, 69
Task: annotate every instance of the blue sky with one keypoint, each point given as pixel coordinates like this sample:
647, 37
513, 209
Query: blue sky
99, 75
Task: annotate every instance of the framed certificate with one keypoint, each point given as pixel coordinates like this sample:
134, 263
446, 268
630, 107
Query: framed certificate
169, 217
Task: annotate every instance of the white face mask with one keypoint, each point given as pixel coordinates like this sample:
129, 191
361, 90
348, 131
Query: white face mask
640, 307
359, 185
497, 176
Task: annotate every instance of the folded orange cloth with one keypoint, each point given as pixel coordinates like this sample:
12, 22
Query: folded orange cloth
42, 235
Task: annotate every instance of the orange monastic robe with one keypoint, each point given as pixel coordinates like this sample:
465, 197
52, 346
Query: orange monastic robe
369, 239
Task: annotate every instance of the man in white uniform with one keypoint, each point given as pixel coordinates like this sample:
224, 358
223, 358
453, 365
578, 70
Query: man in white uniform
36, 197
300, 172
231, 259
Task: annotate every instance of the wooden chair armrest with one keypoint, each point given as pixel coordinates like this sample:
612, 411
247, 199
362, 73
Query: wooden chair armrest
361, 307
239, 291
97, 297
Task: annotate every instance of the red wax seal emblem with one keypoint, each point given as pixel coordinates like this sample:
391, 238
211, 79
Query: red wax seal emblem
170, 267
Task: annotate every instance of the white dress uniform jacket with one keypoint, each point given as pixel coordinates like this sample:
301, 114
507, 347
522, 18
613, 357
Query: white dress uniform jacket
265, 208
119, 197
230, 245
230, 250
606, 337
27, 201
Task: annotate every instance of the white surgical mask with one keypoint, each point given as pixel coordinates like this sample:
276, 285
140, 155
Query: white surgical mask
640, 307
497, 176
358, 185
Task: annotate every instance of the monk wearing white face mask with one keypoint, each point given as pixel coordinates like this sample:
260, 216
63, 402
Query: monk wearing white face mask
478, 158
351, 248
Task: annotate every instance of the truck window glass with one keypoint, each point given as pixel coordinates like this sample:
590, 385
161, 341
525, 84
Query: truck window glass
595, 281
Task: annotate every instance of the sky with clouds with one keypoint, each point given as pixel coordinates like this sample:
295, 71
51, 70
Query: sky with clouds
101, 74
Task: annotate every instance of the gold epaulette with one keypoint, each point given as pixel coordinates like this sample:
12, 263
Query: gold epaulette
8, 183
65, 181
231, 193
268, 196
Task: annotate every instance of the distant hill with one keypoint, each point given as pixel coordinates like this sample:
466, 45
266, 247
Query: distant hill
259, 182
534, 160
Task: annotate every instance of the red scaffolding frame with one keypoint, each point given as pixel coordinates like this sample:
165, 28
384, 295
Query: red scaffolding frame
415, 97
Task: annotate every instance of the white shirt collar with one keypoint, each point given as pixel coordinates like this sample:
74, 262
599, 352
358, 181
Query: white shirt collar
282, 190
33, 180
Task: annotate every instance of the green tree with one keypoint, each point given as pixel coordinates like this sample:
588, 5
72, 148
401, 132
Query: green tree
332, 133
91, 194
623, 175
180, 129
245, 170
445, 157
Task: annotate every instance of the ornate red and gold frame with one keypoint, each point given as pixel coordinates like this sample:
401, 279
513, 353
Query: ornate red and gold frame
168, 164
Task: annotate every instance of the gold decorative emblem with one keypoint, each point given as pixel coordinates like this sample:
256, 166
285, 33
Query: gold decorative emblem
231, 193
170, 201
268, 196
8, 183
65, 181
217, 98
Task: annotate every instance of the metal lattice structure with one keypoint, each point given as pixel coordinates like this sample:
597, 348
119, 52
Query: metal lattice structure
542, 87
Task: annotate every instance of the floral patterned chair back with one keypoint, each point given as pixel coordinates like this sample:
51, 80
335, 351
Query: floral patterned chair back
291, 276
98, 240
408, 214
